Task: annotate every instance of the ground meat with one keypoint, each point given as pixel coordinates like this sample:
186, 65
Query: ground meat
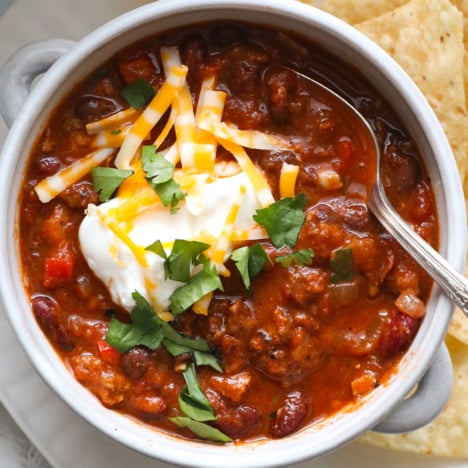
105, 382
80, 195
304, 284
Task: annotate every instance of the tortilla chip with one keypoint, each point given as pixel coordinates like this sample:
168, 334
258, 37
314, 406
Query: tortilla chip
426, 38
466, 74
447, 435
358, 10
429, 39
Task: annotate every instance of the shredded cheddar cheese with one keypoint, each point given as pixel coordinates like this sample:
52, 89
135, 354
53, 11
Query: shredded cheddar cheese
55, 184
151, 116
198, 130
113, 121
253, 173
222, 246
287, 182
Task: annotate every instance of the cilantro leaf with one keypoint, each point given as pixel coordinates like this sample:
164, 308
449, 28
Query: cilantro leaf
125, 336
183, 255
283, 220
138, 93
203, 430
106, 180
147, 329
300, 257
342, 265
157, 248
198, 286
156, 167
202, 357
249, 260
159, 173
170, 193
192, 400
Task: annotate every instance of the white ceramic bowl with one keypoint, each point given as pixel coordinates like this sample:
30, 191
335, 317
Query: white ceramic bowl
383, 407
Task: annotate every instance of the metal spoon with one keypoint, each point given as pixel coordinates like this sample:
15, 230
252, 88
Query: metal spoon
454, 284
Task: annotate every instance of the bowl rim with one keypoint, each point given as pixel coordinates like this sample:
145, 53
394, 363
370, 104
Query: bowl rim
339, 430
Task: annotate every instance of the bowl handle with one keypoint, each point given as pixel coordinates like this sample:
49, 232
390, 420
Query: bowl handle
427, 401
20, 70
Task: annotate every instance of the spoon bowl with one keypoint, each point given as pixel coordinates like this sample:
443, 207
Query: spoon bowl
454, 284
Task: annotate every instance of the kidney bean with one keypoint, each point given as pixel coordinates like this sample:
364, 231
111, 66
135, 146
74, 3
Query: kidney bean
290, 415
46, 312
136, 362
397, 333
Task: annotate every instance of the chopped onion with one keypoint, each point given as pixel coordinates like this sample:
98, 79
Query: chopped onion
410, 304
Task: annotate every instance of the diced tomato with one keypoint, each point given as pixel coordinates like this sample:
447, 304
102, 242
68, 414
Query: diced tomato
58, 269
107, 353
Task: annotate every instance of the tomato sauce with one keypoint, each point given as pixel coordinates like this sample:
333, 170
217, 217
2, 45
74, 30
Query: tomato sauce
299, 345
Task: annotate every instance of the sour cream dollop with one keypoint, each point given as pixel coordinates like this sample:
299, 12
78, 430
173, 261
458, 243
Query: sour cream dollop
117, 255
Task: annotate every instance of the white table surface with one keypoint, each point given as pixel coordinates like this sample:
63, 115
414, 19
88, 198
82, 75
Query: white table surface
22, 22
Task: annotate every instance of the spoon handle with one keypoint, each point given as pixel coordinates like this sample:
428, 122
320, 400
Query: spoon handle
454, 284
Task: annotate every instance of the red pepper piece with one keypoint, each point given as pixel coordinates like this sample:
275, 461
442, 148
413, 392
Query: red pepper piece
58, 269
107, 353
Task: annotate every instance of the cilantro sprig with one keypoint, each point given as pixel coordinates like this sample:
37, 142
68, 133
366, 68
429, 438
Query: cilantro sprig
249, 260
205, 431
147, 329
138, 93
159, 173
183, 256
178, 266
197, 409
300, 257
106, 180
283, 220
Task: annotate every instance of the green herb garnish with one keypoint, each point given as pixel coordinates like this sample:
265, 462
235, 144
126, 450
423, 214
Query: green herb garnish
147, 329
199, 285
138, 93
159, 173
249, 260
205, 431
184, 255
106, 180
342, 265
300, 257
192, 400
283, 220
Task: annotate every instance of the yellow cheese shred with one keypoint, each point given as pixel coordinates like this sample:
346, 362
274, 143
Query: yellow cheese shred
48, 188
151, 116
111, 138
222, 246
201, 306
113, 121
253, 173
287, 181
138, 251
209, 121
166, 129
